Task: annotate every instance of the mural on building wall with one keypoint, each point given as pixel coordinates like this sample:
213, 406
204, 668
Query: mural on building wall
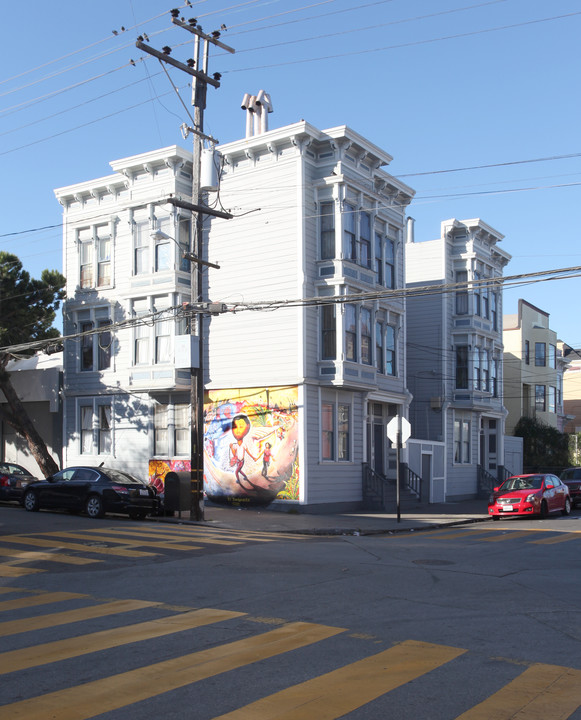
158, 469
251, 445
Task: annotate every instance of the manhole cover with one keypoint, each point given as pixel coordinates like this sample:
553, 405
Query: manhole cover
433, 562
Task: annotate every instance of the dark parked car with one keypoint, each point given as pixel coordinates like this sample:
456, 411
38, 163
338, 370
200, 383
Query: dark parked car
572, 479
93, 490
13, 480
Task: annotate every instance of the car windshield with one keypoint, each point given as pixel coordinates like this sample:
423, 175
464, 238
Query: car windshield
574, 474
122, 477
533, 482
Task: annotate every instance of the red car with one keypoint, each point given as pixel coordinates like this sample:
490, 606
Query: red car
529, 495
572, 479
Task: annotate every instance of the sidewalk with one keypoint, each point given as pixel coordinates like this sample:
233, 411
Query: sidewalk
414, 518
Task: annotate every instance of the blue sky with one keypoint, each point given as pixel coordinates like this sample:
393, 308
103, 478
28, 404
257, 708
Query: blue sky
440, 85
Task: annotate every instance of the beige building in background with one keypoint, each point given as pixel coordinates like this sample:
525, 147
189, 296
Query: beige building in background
533, 368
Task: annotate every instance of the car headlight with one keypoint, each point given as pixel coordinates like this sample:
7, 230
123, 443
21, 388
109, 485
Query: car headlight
531, 498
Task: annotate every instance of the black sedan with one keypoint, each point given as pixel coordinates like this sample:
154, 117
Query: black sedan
572, 479
13, 481
94, 491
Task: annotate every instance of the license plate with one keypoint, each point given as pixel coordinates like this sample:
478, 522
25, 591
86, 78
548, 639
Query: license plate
143, 492
507, 508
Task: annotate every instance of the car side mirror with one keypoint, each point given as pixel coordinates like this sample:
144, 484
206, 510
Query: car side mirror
549, 486
496, 489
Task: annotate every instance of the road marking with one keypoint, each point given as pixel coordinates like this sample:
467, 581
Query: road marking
29, 556
176, 537
40, 622
58, 650
14, 571
543, 692
101, 696
39, 542
507, 535
42, 599
337, 693
124, 542
256, 535
563, 537
458, 534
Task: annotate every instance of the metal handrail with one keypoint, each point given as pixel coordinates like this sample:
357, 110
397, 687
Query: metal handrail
486, 482
414, 483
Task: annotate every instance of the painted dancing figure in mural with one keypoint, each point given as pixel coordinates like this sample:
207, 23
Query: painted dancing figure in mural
267, 456
238, 450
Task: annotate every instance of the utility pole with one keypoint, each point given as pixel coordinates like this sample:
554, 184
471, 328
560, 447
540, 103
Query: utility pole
198, 69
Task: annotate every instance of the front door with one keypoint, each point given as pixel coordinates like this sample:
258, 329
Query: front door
378, 448
489, 445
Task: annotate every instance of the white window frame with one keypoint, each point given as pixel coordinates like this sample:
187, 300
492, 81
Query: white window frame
94, 439
339, 410
462, 439
95, 342
95, 243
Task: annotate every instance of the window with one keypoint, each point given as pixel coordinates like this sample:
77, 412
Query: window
485, 303
379, 357
343, 433
366, 336
540, 354
104, 429
171, 424
163, 250
389, 263
552, 356
477, 307
462, 367
390, 350
86, 346
365, 239
328, 333
350, 333
86, 430
182, 429
327, 431
378, 252
476, 376
162, 340
104, 340
349, 237
494, 377
527, 352
141, 246
462, 293
493, 310
184, 231
103, 256
335, 431
160, 434
141, 356
461, 440
540, 398
484, 365
552, 399
327, 230
86, 250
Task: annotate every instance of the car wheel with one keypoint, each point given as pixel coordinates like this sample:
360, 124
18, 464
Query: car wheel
31, 501
495, 517
544, 510
567, 508
94, 507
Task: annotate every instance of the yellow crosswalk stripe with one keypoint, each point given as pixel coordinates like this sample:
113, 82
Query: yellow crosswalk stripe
508, 535
15, 660
337, 693
41, 599
29, 556
542, 692
39, 542
40, 622
167, 536
14, 571
458, 534
255, 535
125, 542
101, 696
562, 537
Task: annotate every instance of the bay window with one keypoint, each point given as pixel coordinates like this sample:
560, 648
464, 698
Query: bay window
365, 317
327, 230
351, 333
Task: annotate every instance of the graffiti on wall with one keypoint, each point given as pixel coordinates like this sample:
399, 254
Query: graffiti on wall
251, 445
158, 469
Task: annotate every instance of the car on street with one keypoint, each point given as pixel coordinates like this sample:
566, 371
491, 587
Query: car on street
538, 494
93, 490
13, 480
572, 479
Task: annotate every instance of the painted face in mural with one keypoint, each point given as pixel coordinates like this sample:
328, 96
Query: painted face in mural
240, 427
